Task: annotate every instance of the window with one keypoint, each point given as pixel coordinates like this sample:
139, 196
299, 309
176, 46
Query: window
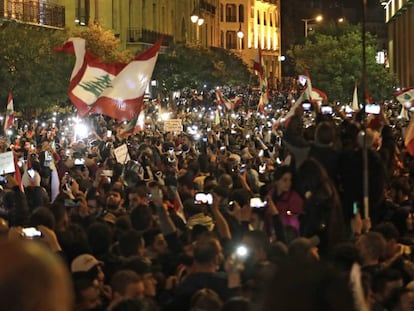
231, 40
82, 12
241, 13
231, 13
221, 13
221, 39
258, 17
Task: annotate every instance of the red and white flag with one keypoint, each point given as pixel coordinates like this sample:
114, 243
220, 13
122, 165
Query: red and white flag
226, 103
113, 89
260, 67
8, 122
406, 97
409, 138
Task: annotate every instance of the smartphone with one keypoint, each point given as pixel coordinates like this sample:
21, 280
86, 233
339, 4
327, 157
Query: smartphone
355, 208
306, 106
31, 172
80, 161
242, 168
31, 233
242, 251
257, 203
372, 108
203, 198
108, 133
326, 110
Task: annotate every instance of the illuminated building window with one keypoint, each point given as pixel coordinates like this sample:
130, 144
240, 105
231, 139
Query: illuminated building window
82, 12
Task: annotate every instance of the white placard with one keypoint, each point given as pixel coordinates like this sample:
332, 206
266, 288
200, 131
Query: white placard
173, 125
6, 162
121, 154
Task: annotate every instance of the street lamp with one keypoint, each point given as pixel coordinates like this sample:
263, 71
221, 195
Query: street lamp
240, 35
307, 20
198, 19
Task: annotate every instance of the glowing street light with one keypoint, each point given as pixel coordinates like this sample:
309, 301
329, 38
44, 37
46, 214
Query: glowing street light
317, 19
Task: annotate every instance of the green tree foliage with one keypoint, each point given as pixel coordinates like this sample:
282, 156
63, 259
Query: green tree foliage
187, 67
30, 69
103, 43
333, 58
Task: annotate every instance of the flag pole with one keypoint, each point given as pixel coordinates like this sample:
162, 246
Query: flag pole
364, 120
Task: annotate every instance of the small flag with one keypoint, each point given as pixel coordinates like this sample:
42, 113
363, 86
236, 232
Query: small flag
17, 174
259, 66
113, 89
8, 123
406, 97
403, 113
355, 104
409, 138
227, 104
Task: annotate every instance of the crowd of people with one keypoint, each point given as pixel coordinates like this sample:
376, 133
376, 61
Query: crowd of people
230, 213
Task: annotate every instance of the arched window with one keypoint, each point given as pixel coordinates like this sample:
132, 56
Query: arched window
231, 40
241, 13
231, 13
82, 12
221, 39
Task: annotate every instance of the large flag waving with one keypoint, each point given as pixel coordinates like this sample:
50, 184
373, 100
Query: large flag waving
260, 67
8, 123
113, 89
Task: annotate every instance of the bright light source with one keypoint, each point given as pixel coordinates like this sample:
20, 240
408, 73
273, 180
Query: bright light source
81, 130
165, 116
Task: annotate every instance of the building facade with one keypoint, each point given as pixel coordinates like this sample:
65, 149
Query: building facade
247, 24
400, 19
140, 23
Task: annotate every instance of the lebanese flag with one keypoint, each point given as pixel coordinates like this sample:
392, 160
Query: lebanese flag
17, 174
284, 120
112, 89
406, 97
317, 96
8, 123
259, 66
227, 104
409, 138
132, 127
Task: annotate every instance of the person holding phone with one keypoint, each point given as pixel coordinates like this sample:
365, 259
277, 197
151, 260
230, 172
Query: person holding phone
288, 202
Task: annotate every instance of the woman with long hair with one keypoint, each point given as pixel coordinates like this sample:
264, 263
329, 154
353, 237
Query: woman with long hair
322, 214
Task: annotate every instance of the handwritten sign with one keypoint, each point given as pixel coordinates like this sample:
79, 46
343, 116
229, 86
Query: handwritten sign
6, 162
173, 125
121, 154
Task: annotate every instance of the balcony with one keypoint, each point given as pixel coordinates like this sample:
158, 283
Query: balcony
33, 12
207, 7
139, 35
